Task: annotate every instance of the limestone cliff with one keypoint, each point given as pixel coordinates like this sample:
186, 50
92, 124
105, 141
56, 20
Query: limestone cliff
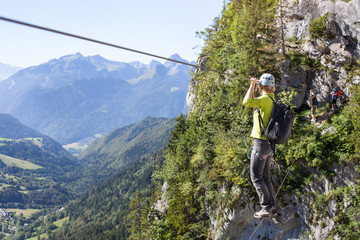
335, 54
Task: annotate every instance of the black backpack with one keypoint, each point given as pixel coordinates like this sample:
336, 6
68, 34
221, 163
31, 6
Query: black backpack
280, 124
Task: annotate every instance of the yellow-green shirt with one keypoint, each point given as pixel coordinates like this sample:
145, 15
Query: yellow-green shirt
265, 104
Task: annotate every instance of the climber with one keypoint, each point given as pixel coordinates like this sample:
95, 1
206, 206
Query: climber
262, 153
339, 95
313, 104
334, 96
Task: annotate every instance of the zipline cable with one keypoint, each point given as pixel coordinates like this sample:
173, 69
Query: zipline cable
112, 45
287, 173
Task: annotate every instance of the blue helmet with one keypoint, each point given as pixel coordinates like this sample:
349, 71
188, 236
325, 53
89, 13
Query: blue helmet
334, 89
267, 80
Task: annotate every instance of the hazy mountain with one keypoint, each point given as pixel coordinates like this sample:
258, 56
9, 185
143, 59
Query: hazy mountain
76, 97
45, 151
7, 70
10, 127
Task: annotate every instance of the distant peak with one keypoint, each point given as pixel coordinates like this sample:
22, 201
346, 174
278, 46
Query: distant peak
98, 56
175, 57
154, 63
71, 57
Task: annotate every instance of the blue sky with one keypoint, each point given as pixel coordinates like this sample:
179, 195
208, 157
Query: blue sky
162, 27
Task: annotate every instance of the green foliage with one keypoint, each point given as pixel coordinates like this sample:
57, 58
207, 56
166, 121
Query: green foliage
138, 218
109, 209
320, 146
304, 61
347, 224
287, 97
318, 27
243, 39
355, 117
316, 149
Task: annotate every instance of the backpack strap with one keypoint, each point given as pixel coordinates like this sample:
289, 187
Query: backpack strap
272, 99
261, 122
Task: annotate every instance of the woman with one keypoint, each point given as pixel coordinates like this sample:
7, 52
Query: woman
262, 153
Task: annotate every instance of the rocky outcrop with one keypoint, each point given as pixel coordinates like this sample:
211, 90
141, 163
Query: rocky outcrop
190, 97
335, 53
298, 220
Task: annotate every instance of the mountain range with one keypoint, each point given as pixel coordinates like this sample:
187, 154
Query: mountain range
76, 97
7, 70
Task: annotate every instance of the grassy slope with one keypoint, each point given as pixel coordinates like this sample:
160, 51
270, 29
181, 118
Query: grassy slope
10, 161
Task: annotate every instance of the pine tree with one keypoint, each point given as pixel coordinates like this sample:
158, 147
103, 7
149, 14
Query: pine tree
355, 110
136, 217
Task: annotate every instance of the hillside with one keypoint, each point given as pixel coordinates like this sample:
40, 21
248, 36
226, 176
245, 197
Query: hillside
103, 210
120, 149
77, 97
34, 167
114, 168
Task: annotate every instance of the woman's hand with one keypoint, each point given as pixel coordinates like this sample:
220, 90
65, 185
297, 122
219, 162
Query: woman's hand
253, 82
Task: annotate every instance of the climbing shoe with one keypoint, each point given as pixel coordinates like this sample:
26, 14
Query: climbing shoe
262, 214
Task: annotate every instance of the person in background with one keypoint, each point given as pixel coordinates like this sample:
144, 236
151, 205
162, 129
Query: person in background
334, 96
313, 106
262, 153
339, 95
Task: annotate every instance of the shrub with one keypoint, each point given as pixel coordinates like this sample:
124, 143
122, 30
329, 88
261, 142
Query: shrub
318, 27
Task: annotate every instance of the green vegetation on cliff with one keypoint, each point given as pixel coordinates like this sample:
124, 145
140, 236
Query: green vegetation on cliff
206, 167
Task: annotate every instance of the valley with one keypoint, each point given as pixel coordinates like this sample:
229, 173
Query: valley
38, 177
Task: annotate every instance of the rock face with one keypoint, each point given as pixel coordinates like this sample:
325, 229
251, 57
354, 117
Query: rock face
190, 97
295, 221
334, 53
